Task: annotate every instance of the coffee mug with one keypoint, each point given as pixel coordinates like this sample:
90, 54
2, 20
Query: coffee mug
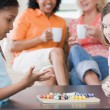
81, 31
57, 34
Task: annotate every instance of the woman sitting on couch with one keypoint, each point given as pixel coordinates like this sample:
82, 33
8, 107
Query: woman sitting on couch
32, 41
88, 57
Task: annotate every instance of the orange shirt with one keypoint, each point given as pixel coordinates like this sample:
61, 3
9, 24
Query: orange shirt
32, 23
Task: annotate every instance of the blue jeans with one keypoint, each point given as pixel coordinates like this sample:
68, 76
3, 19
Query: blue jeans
80, 61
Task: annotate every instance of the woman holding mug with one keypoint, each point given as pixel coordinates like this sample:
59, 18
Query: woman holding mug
87, 57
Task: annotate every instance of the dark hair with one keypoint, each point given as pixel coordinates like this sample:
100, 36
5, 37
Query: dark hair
105, 11
33, 4
8, 3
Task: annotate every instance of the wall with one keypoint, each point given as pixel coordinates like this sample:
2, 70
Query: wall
68, 15
23, 5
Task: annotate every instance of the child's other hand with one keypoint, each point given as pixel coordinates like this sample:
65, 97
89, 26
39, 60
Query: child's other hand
47, 74
31, 77
106, 87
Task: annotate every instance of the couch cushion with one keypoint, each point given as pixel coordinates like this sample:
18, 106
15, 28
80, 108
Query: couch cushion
6, 51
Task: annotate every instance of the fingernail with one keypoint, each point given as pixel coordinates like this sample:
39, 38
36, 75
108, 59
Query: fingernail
33, 67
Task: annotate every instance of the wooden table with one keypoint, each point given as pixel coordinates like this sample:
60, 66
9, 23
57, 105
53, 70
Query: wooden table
26, 99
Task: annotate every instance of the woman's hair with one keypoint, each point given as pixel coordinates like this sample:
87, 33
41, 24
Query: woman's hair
8, 3
33, 4
105, 11
99, 6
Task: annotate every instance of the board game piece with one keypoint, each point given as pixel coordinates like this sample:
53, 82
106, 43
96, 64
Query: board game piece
73, 97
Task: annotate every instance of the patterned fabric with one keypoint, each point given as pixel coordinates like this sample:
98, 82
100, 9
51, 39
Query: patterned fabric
91, 44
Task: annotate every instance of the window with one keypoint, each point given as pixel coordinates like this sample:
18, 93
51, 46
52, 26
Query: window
68, 9
68, 5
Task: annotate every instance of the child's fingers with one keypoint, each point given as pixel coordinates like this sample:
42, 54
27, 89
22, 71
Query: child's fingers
45, 78
107, 94
45, 75
30, 72
106, 88
41, 73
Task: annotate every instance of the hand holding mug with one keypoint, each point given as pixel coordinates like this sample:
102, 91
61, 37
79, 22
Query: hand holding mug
72, 41
46, 35
92, 31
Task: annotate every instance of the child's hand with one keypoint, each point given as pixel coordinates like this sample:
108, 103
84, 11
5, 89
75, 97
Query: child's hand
47, 74
31, 77
106, 88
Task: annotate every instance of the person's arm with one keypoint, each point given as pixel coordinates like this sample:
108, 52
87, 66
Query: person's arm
27, 81
73, 39
64, 34
11, 90
16, 46
19, 45
94, 31
22, 27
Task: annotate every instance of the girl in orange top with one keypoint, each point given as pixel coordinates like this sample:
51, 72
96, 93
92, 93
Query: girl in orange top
32, 41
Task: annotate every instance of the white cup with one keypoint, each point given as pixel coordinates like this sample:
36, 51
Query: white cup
57, 34
81, 31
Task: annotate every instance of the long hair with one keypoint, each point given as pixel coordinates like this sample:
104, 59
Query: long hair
8, 3
105, 11
99, 6
33, 4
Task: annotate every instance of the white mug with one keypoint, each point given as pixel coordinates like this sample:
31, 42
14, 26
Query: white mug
81, 31
57, 34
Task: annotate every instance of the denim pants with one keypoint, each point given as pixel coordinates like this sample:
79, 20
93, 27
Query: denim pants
80, 61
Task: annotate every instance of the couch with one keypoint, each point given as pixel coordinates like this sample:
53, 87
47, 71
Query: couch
14, 75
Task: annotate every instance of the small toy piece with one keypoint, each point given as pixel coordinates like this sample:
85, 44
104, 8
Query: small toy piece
73, 97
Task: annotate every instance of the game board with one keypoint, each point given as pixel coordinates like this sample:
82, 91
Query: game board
67, 98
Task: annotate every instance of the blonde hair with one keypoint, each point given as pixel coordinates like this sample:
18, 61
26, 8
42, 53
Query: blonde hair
99, 6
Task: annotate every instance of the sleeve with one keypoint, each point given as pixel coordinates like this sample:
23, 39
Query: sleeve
4, 78
21, 26
72, 27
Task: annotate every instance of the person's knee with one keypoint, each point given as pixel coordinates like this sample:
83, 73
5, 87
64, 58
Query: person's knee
74, 52
53, 81
57, 51
57, 54
75, 48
